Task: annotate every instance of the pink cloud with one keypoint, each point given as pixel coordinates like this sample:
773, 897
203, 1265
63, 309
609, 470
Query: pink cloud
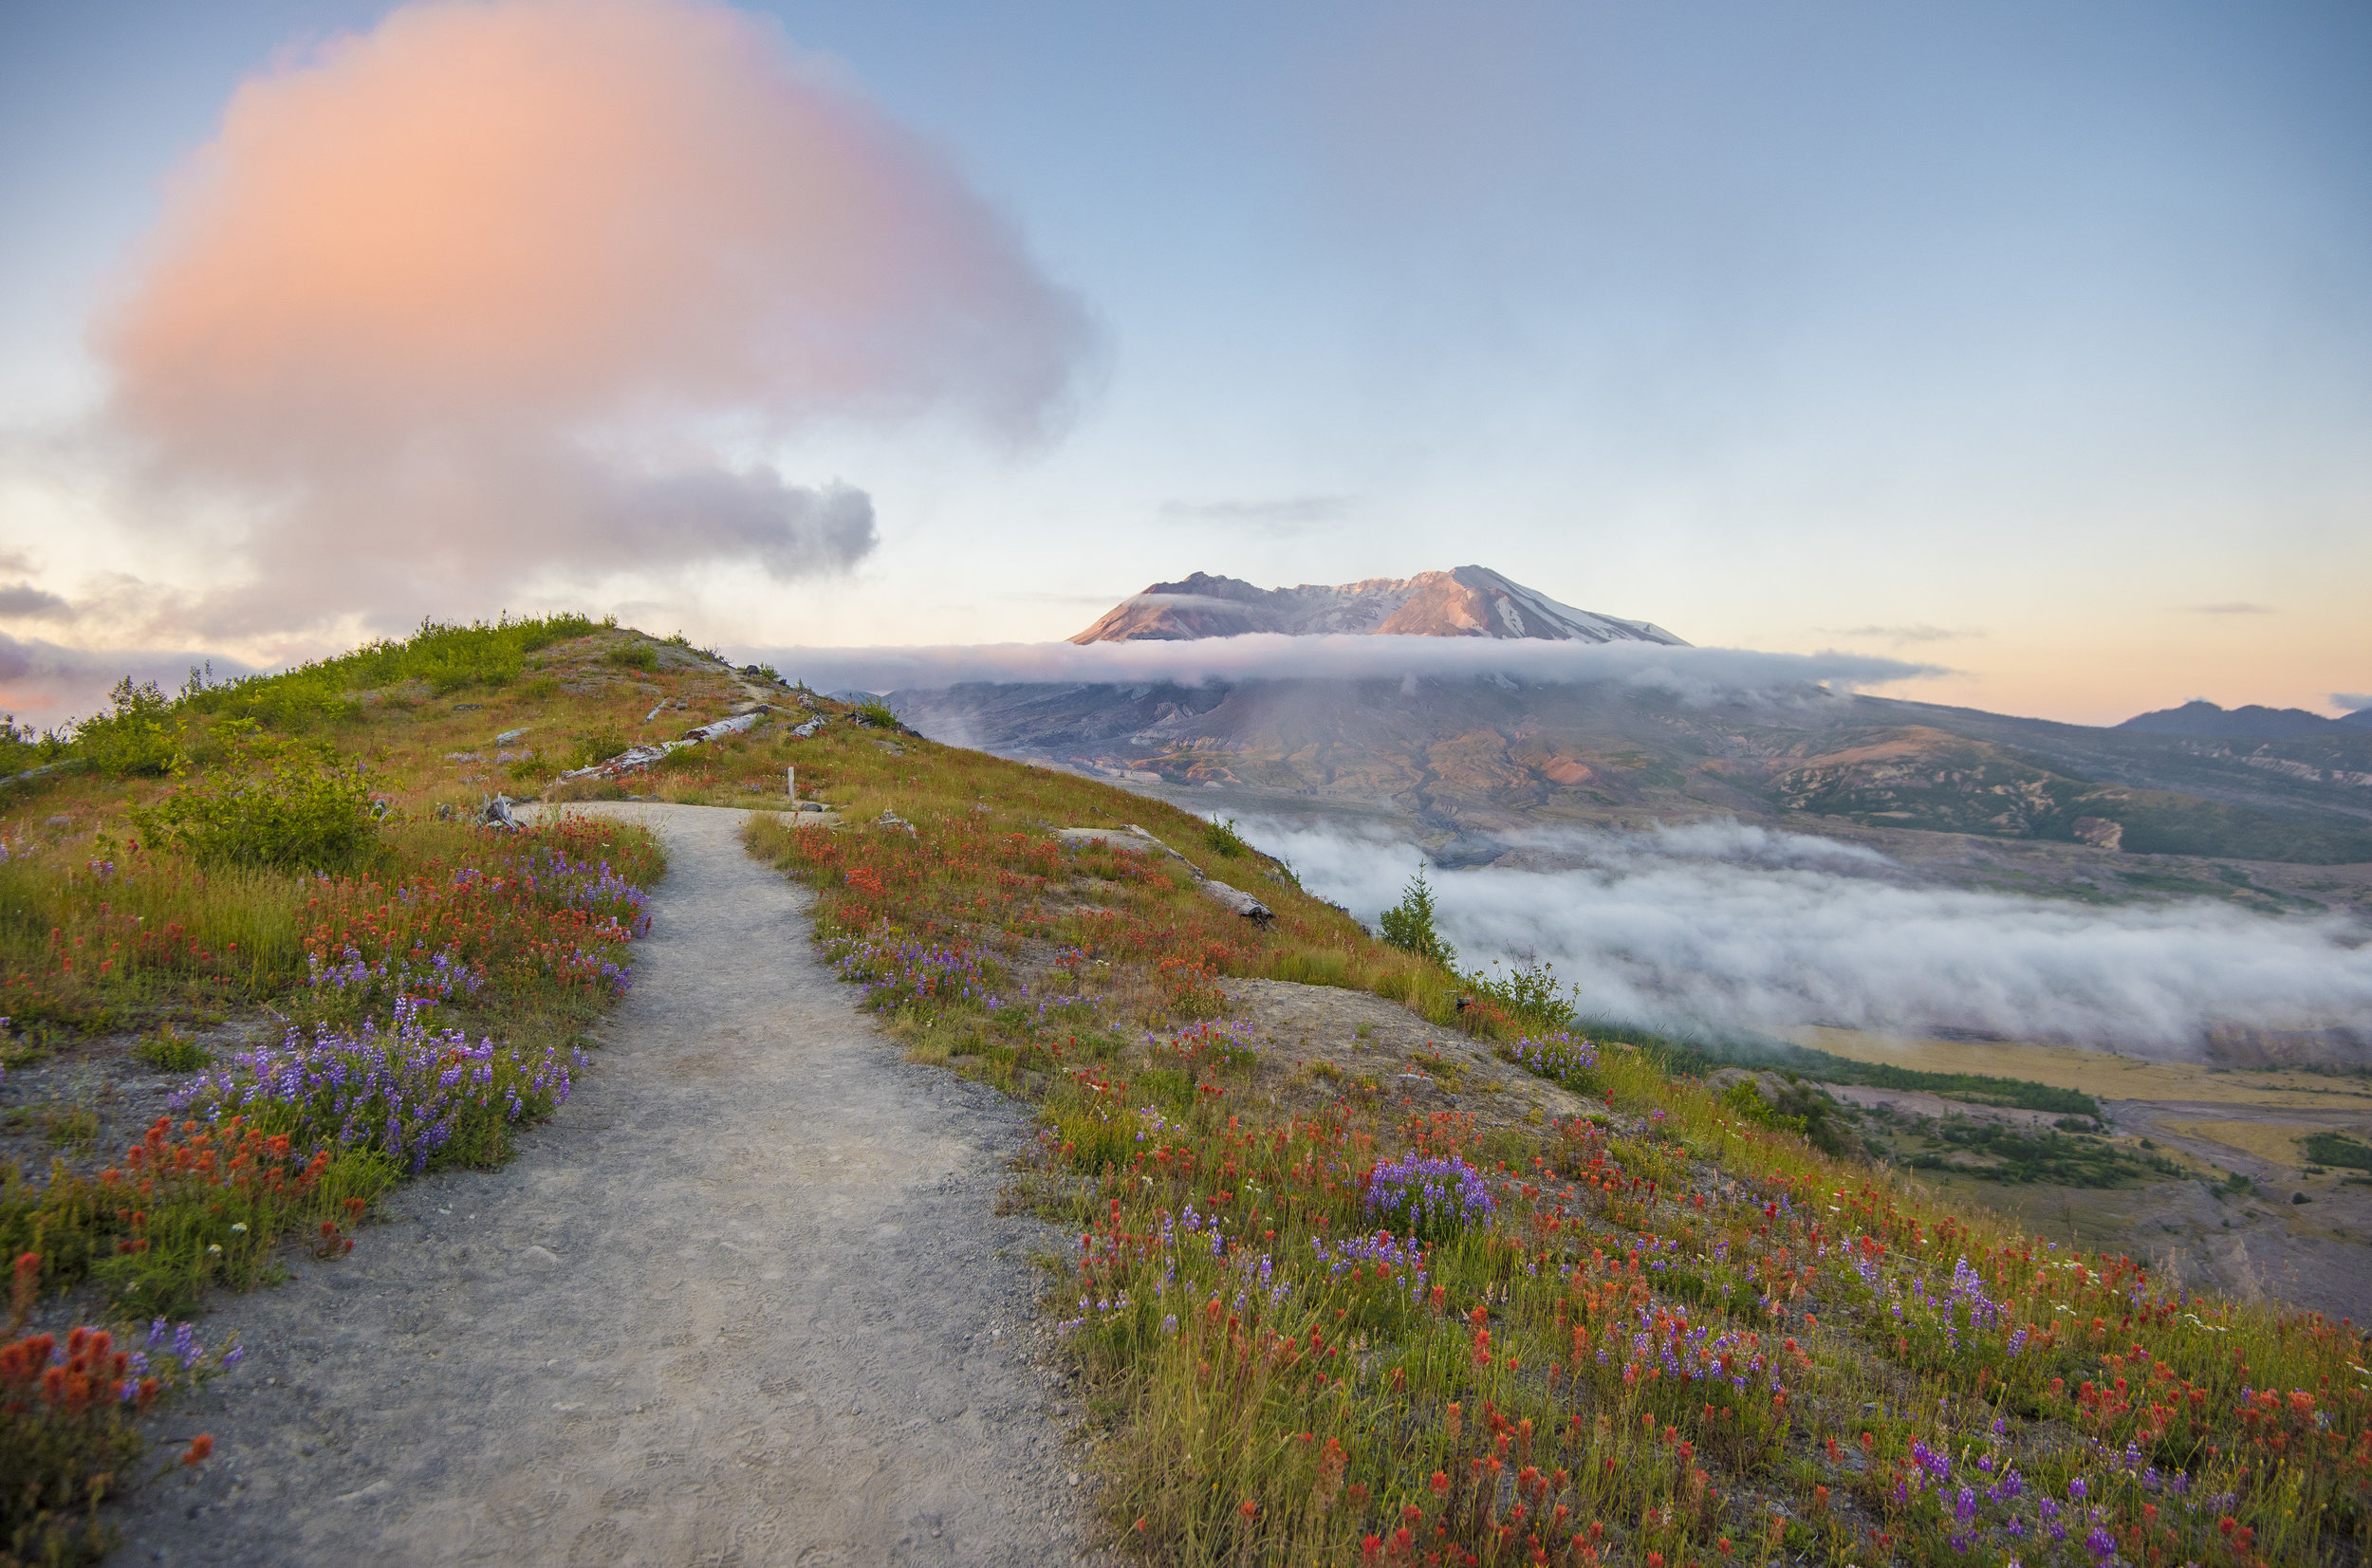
457, 298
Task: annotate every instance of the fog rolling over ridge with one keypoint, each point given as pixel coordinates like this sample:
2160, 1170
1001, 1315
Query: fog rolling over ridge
1728, 927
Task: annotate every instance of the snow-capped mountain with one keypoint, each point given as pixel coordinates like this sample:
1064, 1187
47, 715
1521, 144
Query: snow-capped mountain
1471, 601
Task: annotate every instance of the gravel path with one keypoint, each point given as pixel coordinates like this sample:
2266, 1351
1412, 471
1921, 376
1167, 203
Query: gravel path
744, 1300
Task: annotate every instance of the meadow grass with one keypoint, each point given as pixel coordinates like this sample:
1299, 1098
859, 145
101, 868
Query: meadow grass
1676, 1334
1668, 1333
431, 993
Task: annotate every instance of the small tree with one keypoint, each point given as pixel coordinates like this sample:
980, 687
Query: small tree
136, 738
280, 805
1408, 925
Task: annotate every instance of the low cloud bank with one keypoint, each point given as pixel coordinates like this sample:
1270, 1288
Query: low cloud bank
1734, 927
1267, 655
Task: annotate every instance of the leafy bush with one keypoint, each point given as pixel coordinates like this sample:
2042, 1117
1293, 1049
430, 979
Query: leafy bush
1528, 991
136, 738
1408, 925
637, 655
279, 804
1224, 841
876, 714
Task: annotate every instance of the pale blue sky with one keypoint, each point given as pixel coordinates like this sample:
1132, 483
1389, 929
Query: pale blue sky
2032, 341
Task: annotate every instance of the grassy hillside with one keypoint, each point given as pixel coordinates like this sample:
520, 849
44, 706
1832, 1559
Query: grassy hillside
1328, 1315
1329, 1321
257, 965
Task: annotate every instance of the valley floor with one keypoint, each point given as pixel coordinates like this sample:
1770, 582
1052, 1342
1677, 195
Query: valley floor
2218, 1122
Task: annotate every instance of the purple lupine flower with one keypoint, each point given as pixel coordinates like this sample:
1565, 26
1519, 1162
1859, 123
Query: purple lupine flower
2102, 1543
1428, 1196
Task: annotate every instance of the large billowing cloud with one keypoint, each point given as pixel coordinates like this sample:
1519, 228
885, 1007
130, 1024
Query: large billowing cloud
471, 297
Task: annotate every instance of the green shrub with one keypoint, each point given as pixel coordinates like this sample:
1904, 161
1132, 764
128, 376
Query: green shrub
169, 1052
1224, 841
444, 658
138, 738
1528, 991
20, 748
598, 746
1746, 1101
1408, 925
2338, 1148
278, 804
876, 714
639, 656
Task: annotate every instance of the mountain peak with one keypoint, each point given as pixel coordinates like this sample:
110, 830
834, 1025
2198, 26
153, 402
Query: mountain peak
2253, 723
1470, 601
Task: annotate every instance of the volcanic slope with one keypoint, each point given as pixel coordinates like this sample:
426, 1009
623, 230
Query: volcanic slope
1471, 601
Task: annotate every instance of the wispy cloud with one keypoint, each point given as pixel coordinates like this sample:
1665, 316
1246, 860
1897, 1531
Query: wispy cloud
1290, 514
1694, 673
2233, 607
1735, 928
2352, 701
1901, 636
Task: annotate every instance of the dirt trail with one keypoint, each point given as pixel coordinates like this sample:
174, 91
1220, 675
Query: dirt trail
744, 1300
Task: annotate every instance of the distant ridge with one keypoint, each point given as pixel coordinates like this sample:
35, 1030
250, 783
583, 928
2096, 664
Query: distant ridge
1471, 601
2252, 723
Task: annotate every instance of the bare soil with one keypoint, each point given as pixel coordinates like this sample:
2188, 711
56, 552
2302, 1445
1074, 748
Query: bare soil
746, 1300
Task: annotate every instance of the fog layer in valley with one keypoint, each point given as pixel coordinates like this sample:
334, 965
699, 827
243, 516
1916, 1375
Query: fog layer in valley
1735, 927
